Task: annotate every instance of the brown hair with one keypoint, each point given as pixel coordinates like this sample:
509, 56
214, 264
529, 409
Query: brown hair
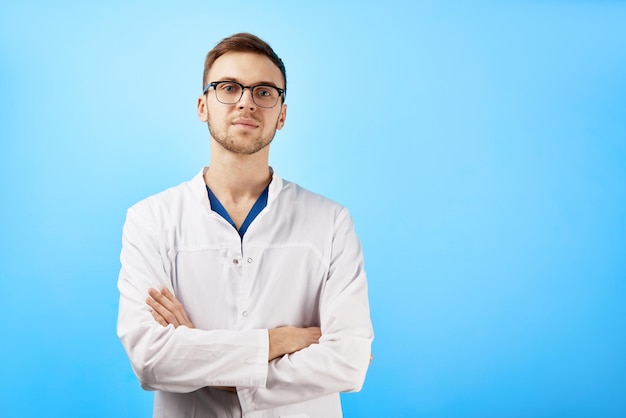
242, 42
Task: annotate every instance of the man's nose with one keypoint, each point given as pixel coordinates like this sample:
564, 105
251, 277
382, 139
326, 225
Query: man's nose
246, 100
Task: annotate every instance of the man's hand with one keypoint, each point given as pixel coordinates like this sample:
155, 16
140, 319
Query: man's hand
287, 340
166, 309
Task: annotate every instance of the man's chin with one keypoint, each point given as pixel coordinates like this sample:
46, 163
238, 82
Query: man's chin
243, 144
242, 149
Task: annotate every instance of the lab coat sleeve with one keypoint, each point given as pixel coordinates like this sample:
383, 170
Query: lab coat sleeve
340, 361
176, 359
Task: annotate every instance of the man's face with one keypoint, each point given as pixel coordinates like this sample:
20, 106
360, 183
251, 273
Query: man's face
243, 127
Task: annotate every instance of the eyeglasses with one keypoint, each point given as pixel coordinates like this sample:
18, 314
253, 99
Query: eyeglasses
230, 92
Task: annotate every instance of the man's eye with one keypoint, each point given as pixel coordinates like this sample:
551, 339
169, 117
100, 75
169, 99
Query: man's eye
264, 92
229, 87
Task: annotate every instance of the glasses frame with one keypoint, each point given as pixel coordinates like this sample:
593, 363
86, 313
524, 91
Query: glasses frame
214, 84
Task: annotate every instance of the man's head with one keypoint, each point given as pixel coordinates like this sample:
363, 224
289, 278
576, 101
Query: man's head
242, 42
243, 98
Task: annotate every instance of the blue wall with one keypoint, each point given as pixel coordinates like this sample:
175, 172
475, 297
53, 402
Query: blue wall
480, 146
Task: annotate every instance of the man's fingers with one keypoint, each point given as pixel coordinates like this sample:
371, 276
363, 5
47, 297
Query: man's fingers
161, 298
166, 292
159, 318
163, 306
163, 312
170, 309
316, 333
177, 308
310, 335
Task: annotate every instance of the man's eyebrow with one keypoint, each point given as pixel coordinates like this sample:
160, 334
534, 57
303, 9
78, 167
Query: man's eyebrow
268, 83
259, 83
229, 79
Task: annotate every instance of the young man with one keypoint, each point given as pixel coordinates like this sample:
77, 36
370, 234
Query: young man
257, 301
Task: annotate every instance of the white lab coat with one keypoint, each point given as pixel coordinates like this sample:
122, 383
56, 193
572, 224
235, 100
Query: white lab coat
299, 263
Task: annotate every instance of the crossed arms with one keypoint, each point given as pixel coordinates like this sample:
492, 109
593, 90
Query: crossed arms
166, 309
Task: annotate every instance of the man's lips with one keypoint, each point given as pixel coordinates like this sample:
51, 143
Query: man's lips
246, 123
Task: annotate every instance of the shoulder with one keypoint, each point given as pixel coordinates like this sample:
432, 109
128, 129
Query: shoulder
294, 192
165, 203
302, 202
163, 197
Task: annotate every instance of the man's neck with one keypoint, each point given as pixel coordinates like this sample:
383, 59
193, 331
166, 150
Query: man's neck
237, 178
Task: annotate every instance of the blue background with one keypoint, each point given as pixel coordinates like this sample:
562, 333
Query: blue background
480, 146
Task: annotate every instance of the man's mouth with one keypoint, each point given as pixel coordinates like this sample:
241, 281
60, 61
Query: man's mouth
246, 123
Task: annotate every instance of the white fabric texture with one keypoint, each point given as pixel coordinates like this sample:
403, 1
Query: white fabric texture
300, 263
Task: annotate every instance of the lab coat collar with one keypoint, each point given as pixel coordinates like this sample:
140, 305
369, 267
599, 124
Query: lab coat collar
198, 187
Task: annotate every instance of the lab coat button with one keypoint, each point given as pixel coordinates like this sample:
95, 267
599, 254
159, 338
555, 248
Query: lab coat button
235, 261
244, 313
249, 260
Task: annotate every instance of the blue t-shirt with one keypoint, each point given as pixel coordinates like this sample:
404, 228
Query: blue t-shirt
258, 206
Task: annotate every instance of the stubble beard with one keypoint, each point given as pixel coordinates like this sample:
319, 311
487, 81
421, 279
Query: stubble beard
244, 144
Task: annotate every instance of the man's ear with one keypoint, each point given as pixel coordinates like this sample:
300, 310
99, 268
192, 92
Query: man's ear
281, 117
203, 110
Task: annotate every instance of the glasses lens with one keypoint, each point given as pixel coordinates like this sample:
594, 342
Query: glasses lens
265, 96
228, 93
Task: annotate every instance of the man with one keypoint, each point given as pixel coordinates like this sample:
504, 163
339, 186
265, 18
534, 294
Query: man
257, 301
